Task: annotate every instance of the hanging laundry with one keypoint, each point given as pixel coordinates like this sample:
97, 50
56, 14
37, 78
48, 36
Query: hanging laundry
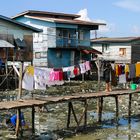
138, 70
132, 73
30, 70
122, 78
113, 66
40, 77
28, 78
117, 69
71, 69
82, 68
76, 71
126, 68
87, 66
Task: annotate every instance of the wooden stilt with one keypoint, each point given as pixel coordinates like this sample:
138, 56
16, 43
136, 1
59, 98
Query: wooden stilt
117, 108
129, 108
69, 114
18, 122
76, 120
33, 120
100, 108
85, 119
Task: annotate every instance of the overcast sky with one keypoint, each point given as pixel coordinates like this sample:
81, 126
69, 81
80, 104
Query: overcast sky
121, 16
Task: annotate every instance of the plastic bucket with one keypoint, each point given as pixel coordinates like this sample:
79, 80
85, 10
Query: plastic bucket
133, 86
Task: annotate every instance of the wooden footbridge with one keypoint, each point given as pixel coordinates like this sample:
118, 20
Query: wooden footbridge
42, 101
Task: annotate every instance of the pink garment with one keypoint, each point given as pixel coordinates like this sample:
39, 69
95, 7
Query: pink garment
87, 65
56, 77
52, 76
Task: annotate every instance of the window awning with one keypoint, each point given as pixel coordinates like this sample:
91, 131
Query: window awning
91, 51
5, 44
88, 50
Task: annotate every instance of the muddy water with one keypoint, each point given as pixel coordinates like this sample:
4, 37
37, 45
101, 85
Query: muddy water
51, 123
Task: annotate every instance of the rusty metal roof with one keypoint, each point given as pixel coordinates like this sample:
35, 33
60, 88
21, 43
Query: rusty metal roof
43, 13
56, 17
114, 40
68, 21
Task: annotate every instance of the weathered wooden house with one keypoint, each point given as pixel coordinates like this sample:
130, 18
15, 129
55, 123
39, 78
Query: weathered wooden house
14, 37
16, 44
120, 50
63, 39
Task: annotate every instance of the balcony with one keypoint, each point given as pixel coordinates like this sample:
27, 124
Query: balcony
66, 42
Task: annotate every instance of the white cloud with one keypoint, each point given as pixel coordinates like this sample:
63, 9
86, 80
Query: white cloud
84, 15
133, 5
109, 27
135, 30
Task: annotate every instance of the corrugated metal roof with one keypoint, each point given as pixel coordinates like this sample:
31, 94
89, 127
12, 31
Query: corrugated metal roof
55, 17
45, 13
115, 40
5, 44
68, 21
20, 24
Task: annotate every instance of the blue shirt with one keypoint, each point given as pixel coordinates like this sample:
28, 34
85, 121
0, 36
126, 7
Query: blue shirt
14, 118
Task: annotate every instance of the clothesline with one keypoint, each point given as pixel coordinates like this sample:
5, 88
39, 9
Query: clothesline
40, 78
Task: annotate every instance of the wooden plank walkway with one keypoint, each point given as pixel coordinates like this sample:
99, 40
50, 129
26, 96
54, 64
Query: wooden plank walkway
42, 101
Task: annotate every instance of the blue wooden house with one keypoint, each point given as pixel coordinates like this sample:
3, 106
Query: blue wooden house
63, 40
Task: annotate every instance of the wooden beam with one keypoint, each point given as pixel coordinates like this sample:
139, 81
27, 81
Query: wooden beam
76, 120
84, 115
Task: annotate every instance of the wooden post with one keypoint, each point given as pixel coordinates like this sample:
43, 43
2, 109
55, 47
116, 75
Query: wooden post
15, 75
85, 119
129, 108
76, 120
18, 122
69, 114
117, 108
83, 77
98, 67
33, 120
20, 80
19, 97
100, 108
6, 66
